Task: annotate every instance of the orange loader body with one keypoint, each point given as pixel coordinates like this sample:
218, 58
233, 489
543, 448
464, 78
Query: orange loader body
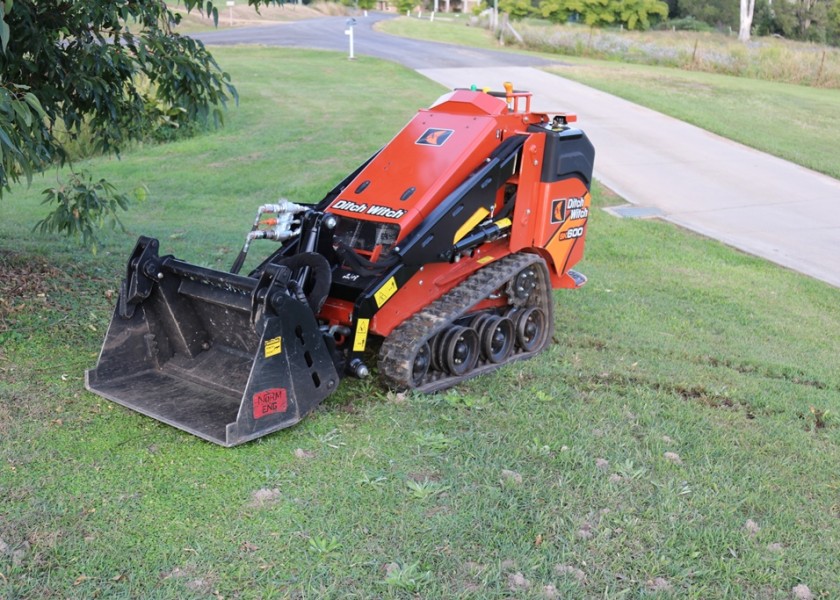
436, 258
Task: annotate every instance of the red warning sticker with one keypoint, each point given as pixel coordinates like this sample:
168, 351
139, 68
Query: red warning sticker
269, 402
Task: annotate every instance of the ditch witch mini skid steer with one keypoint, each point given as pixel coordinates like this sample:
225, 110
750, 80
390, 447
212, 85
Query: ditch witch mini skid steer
438, 256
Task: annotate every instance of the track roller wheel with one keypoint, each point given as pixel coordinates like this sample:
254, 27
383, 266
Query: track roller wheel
531, 328
421, 363
456, 350
496, 336
479, 320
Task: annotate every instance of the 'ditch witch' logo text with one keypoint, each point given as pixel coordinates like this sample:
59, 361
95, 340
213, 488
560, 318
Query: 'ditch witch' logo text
572, 209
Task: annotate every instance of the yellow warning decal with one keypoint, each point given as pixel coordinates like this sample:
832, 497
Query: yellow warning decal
360, 341
273, 346
388, 289
484, 259
478, 217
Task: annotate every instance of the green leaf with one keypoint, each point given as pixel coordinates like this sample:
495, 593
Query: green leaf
4, 34
22, 112
4, 138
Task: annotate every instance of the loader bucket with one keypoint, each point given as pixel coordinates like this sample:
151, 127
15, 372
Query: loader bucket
224, 357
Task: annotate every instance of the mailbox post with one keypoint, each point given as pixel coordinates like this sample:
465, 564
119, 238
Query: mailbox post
349, 32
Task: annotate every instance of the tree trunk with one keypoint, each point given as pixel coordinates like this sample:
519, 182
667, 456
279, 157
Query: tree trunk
747, 10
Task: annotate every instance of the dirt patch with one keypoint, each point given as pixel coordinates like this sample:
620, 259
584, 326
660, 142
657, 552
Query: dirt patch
193, 582
26, 283
264, 497
303, 454
516, 581
660, 584
511, 476
549, 592
570, 571
673, 457
802, 592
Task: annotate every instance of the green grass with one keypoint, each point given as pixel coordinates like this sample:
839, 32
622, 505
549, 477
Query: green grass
793, 122
551, 472
448, 30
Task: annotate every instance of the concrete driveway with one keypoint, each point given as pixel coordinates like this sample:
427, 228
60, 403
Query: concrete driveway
745, 198
755, 202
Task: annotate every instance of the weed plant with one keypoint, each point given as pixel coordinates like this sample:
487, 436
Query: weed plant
767, 58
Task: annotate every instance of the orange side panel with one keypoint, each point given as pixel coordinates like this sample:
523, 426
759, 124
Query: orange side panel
562, 230
549, 217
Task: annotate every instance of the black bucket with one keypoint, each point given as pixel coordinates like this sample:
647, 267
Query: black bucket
205, 351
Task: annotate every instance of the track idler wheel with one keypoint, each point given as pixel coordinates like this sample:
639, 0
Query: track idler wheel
456, 350
524, 283
421, 363
531, 328
496, 336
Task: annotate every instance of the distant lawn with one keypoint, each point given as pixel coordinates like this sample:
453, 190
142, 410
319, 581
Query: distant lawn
679, 439
448, 29
794, 122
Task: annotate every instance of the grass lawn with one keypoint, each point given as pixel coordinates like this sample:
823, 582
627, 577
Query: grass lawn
680, 439
794, 122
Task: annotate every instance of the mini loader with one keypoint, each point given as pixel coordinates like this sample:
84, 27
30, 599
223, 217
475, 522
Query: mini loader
436, 258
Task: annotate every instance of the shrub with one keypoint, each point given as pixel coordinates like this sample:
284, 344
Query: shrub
685, 24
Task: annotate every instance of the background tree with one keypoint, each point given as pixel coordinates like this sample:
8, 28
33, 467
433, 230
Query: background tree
833, 23
362, 4
404, 6
638, 14
745, 23
113, 67
632, 14
517, 9
719, 13
811, 20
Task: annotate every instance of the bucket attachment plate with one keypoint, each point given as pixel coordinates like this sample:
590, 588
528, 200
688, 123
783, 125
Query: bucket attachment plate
200, 354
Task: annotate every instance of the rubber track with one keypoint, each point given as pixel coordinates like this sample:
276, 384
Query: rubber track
396, 356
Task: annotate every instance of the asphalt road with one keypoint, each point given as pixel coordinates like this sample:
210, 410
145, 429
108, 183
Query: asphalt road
328, 34
745, 198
